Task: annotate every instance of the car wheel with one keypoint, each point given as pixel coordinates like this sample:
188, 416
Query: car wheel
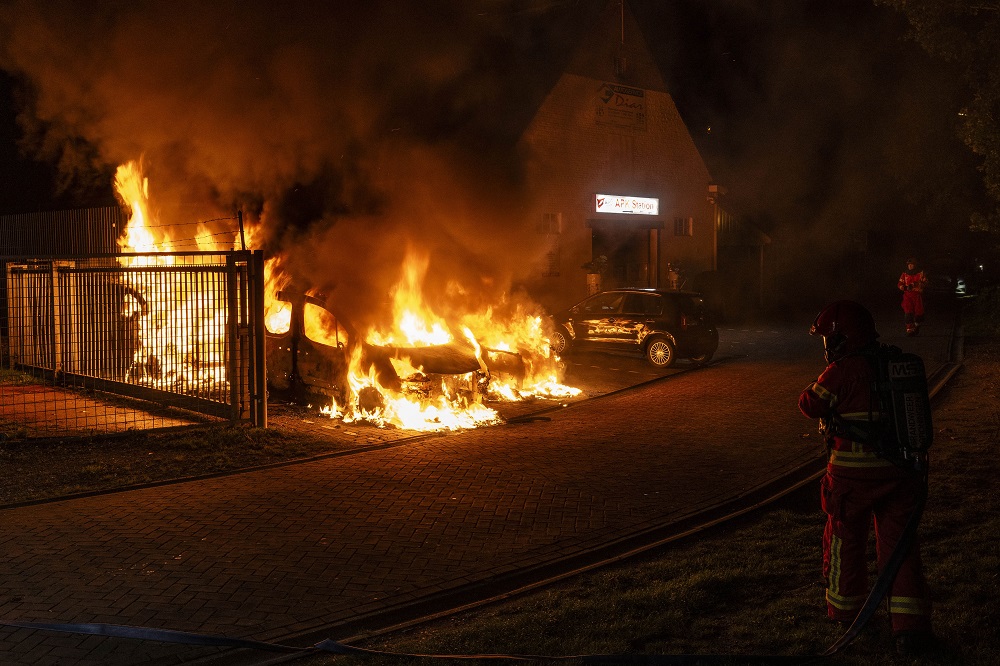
560, 341
660, 353
701, 359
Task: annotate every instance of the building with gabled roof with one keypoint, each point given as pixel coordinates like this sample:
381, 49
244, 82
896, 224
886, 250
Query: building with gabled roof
622, 196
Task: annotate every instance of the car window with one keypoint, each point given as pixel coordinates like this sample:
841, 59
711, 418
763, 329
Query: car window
607, 303
670, 309
643, 304
321, 326
690, 305
278, 317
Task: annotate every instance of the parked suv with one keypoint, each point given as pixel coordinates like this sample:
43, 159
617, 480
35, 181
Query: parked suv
662, 325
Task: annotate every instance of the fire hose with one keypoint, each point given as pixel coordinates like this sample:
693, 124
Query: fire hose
875, 597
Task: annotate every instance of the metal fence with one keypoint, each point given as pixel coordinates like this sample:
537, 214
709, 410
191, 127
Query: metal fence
106, 343
81, 231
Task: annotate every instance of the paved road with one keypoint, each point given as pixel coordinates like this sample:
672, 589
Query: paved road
279, 552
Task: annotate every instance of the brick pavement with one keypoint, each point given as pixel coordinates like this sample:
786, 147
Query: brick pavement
278, 552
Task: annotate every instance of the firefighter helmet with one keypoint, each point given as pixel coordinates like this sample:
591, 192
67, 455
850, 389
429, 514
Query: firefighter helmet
846, 327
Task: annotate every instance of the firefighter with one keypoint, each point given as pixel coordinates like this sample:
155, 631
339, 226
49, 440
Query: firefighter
859, 485
912, 283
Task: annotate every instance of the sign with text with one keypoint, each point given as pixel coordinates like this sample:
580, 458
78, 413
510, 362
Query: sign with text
622, 203
620, 106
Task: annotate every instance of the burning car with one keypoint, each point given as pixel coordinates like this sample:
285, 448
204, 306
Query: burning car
308, 349
415, 369
315, 356
310, 346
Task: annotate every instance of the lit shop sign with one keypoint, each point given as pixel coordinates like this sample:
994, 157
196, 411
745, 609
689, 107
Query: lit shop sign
618, 203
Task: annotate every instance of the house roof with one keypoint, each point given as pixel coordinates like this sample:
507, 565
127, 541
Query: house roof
613, 49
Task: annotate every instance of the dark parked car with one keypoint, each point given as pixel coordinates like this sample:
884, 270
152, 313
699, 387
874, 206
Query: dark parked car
662, 325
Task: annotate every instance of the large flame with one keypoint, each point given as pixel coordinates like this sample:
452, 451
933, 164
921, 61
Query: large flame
448, 409
505, 344
413, 323
513, 354
277, 313
510, 330
188, 358
133, 188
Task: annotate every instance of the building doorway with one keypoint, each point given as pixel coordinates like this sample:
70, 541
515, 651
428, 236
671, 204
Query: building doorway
628, 252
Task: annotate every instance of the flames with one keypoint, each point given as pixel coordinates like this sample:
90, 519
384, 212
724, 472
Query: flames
421, 370
447, 405
277, 313
190, 358
412, 322
510, 332
133, 189
505, 347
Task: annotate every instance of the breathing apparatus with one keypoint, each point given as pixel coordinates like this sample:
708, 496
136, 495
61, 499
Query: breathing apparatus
899, 427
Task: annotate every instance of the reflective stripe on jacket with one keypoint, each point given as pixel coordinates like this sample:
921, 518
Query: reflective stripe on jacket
844, 388
914, 281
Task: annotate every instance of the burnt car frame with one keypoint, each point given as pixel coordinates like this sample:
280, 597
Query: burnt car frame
305, 365
662, 325
310, 361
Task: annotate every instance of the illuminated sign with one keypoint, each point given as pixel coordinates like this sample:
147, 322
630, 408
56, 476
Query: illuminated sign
620, 203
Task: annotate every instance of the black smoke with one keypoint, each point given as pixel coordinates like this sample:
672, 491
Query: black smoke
353, 131
834, 134
350, 131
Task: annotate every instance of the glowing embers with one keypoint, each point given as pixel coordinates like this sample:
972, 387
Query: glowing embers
411, 399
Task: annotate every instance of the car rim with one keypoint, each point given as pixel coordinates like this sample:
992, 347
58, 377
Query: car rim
659, 353
558, 343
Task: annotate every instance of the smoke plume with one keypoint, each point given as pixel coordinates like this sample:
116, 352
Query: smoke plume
833, 134
350, 131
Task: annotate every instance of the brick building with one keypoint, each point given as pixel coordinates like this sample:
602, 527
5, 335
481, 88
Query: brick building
619, 185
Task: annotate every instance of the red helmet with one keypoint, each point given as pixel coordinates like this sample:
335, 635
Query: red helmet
846, 327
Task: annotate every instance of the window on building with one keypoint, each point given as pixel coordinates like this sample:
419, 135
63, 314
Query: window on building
683, 226
550, 225
621, 66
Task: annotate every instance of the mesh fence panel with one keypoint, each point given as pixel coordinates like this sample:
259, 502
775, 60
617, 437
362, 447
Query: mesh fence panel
110, 343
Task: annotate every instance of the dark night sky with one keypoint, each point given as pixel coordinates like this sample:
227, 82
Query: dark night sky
820, 119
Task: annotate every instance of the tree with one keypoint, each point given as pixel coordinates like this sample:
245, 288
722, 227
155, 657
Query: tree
966, 33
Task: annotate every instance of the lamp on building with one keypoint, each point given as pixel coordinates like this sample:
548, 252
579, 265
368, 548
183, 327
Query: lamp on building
714, 192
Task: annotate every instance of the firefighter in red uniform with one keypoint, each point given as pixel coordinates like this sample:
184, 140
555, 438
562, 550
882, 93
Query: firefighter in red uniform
912, 283
860, 485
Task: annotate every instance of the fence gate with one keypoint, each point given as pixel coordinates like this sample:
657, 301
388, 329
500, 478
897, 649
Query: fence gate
106, 343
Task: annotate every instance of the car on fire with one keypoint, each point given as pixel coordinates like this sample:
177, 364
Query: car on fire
308, 349
309, 355
662, 325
